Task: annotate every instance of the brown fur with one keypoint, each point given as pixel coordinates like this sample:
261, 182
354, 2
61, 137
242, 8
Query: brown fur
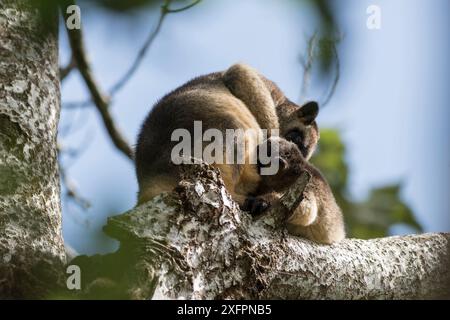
243, 82
204, 99
238, 98
317, 217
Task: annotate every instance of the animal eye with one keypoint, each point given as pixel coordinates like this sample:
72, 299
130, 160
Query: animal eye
295, 136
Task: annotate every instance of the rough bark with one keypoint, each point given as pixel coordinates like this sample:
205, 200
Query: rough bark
31, 246
195, 243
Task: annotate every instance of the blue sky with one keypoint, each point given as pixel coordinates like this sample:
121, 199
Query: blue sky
391, 103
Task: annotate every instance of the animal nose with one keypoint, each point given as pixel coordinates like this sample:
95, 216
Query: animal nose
304, 151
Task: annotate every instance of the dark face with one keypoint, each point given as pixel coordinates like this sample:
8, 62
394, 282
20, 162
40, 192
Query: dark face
290, 164
297, 136
299, 126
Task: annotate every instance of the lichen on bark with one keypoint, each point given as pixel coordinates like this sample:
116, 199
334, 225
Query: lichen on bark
31, 246
195, 243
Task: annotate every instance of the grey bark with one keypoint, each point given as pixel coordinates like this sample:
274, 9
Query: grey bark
195, 243
31, 245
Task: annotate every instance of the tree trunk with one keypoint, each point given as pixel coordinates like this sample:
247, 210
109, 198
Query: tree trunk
31, 246
195, 243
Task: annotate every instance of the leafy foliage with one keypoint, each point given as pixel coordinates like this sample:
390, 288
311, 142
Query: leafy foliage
373, 217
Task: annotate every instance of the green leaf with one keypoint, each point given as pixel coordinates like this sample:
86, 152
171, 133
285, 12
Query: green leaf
372, 217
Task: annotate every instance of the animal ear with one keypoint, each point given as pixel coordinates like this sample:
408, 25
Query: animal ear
308, 112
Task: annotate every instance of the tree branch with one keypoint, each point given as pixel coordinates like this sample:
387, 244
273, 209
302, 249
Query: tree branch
65, 71
140, 56
167, 9
70, 189
164, 11
307, 64
336, 77
99, 99
32, 253
195, 243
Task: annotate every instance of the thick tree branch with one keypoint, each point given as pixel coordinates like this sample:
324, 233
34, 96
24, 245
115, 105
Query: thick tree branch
196, 243
99, 99
31, 246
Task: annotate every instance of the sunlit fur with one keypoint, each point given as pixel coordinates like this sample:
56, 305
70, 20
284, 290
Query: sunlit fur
317, 217
239, 98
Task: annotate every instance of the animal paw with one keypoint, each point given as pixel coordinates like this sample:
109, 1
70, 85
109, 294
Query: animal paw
255, 205
305, 214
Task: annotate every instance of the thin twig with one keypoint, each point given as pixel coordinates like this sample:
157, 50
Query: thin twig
140, 56
307, 65
64, 71
77, 152
168, 10
77, 105
336, 77
164, 11
98, 98
70, 190
78, 119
